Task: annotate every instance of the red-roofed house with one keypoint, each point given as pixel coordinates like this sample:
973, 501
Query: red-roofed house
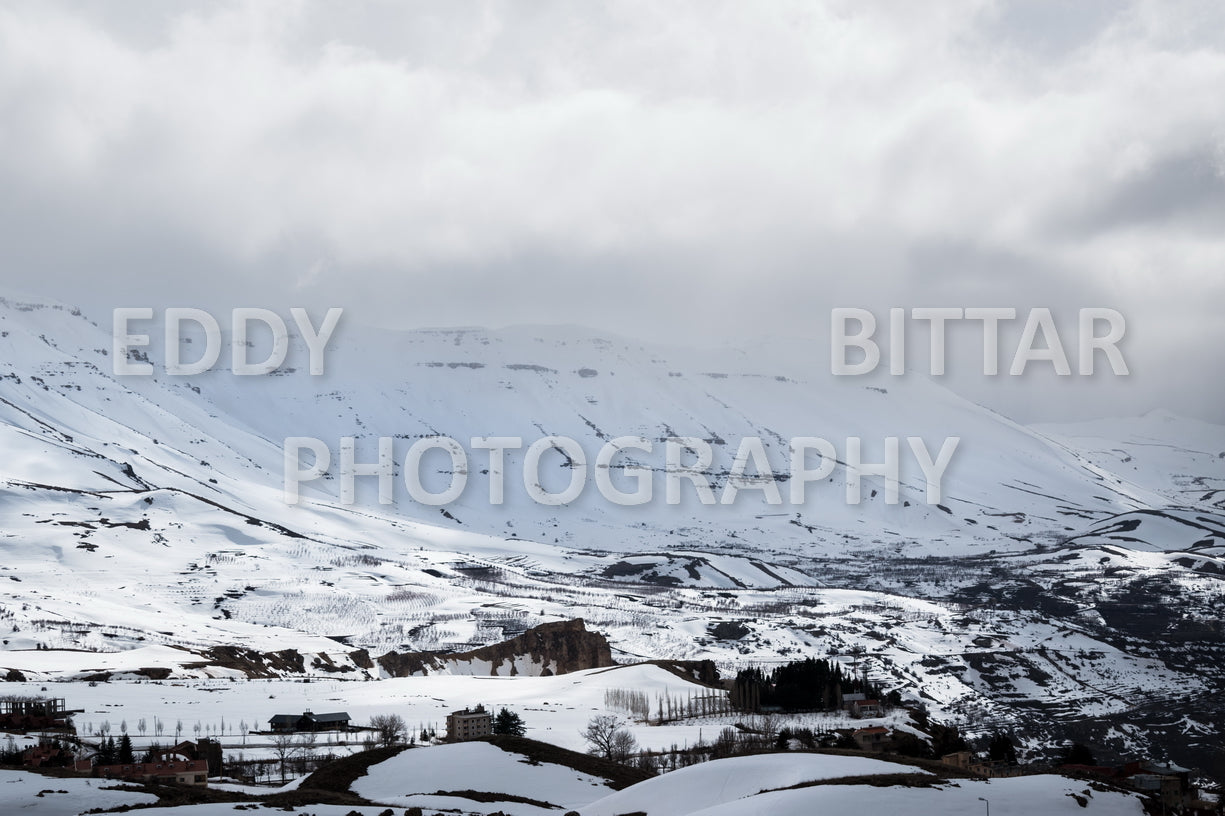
874, 740
865, 708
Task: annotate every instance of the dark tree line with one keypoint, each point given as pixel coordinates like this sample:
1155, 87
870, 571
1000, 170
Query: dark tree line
1076, 753
1002, 749
802, 685
112, 753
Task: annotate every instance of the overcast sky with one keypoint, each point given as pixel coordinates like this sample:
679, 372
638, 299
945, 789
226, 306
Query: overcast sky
696, 172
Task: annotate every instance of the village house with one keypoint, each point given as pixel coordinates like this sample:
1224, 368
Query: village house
959, 759
866, 708
469, 724
206, 749
874, 740
997, 769
969, 762
858, 705
179, 772
1170, 783
309, 721
187, 763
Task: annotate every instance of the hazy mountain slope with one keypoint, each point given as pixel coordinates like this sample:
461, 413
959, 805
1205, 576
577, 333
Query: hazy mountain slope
1179, 458
1005, 482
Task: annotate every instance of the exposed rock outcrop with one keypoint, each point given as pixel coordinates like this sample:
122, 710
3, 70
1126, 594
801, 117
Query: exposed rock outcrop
697, 671
550, 648
250, 662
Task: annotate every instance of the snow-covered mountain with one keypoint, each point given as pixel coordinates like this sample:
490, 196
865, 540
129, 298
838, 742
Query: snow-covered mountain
1068, 578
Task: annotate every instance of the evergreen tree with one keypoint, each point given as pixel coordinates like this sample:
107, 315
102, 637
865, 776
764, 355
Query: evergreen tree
106, 751
802, 685
1001, 749
1077, 754
124, 755
508, 722
907, 744
946, 739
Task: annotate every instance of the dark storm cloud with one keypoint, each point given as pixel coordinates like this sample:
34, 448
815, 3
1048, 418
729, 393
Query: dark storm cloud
693, 171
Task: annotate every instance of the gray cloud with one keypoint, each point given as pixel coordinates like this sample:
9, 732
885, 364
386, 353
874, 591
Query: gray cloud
1180, 191
699, 172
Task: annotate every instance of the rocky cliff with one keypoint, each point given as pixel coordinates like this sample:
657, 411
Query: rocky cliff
550, 648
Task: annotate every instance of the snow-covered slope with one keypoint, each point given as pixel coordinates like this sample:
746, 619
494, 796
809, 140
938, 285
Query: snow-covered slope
1005, 486
146, 515
35, 795
1176, 457
718, 789
694, 789
435, 778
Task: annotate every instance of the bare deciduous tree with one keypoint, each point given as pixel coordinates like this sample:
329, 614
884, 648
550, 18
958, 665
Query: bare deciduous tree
284, 746
607, 737
389, 729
